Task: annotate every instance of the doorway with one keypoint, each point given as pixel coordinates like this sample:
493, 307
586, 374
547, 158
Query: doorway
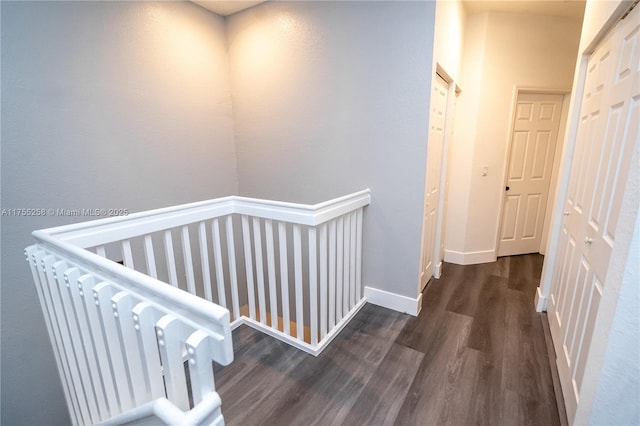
534, 139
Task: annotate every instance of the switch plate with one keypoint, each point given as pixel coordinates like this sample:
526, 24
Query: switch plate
485, 170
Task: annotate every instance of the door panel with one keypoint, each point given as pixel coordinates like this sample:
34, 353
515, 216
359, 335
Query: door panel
533, 142
607, 133
432, 182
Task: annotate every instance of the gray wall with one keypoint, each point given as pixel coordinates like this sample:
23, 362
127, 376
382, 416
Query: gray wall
128, 105
333, 97
108, 104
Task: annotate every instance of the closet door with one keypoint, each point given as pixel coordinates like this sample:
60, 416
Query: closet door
439, 100
607, 133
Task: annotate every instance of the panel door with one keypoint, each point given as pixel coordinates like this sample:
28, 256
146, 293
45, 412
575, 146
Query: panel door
440, 90
533, 144
607, 133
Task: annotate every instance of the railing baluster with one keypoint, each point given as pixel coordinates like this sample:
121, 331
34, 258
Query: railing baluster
102, 294
232, 268
170, 332
339, 266
323, 280
88, 283
359, 255
188, 261
200, 370
171, 260
204, 261
70, 336
284, 277
127, 256
345, 260
246, 237
42, 289
101, 251
145, 318
85, 284
313, 286
150, 257
87, 364
257, 245
271, 271
332, 274
352, 262
297, 260
217, 253
122, 305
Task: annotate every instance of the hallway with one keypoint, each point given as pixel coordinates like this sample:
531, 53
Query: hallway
476, 354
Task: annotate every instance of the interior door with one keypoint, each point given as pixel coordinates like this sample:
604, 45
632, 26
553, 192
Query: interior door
533, 144
440, 90
605, 140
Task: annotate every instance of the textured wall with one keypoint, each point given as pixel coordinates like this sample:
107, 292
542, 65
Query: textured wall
330, 98
104, 105
618, 390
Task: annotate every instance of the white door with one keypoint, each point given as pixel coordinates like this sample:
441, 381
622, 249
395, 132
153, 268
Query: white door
605, 140
440, 90
533, 144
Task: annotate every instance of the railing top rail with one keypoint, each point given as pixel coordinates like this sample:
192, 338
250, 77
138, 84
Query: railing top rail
103, 231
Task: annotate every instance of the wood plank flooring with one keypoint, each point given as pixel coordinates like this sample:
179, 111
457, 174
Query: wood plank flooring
475, 355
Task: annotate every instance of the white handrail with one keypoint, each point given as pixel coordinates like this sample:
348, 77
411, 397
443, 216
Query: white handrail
102, 231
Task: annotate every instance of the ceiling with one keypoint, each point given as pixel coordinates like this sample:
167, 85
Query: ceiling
225, 8
563, 8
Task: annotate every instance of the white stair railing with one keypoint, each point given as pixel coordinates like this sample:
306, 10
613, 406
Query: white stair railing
127, 344
122, 340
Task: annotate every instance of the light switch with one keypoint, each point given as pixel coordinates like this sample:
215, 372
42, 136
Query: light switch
485, 170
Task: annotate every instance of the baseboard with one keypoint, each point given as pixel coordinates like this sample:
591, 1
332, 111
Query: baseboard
553, 366
437, 270
540, 301
393, 301
470, 258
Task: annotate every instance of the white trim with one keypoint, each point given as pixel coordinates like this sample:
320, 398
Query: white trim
394, 301
540, 301
296, 343
437, 270
103, 231
470, 258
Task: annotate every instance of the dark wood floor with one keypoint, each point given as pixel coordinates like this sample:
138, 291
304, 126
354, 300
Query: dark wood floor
475, 355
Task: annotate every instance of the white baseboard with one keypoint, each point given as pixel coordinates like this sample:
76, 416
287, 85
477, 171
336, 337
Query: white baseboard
470, 258
437, 270
540, 301
394, 301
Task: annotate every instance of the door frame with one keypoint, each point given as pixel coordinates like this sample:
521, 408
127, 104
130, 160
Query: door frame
438, 254
610, 16
553, 183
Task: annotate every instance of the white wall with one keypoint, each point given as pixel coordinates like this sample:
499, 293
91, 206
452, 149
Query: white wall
462, 150
502, 52
618, 391
449, 37
104, 104
333, 97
